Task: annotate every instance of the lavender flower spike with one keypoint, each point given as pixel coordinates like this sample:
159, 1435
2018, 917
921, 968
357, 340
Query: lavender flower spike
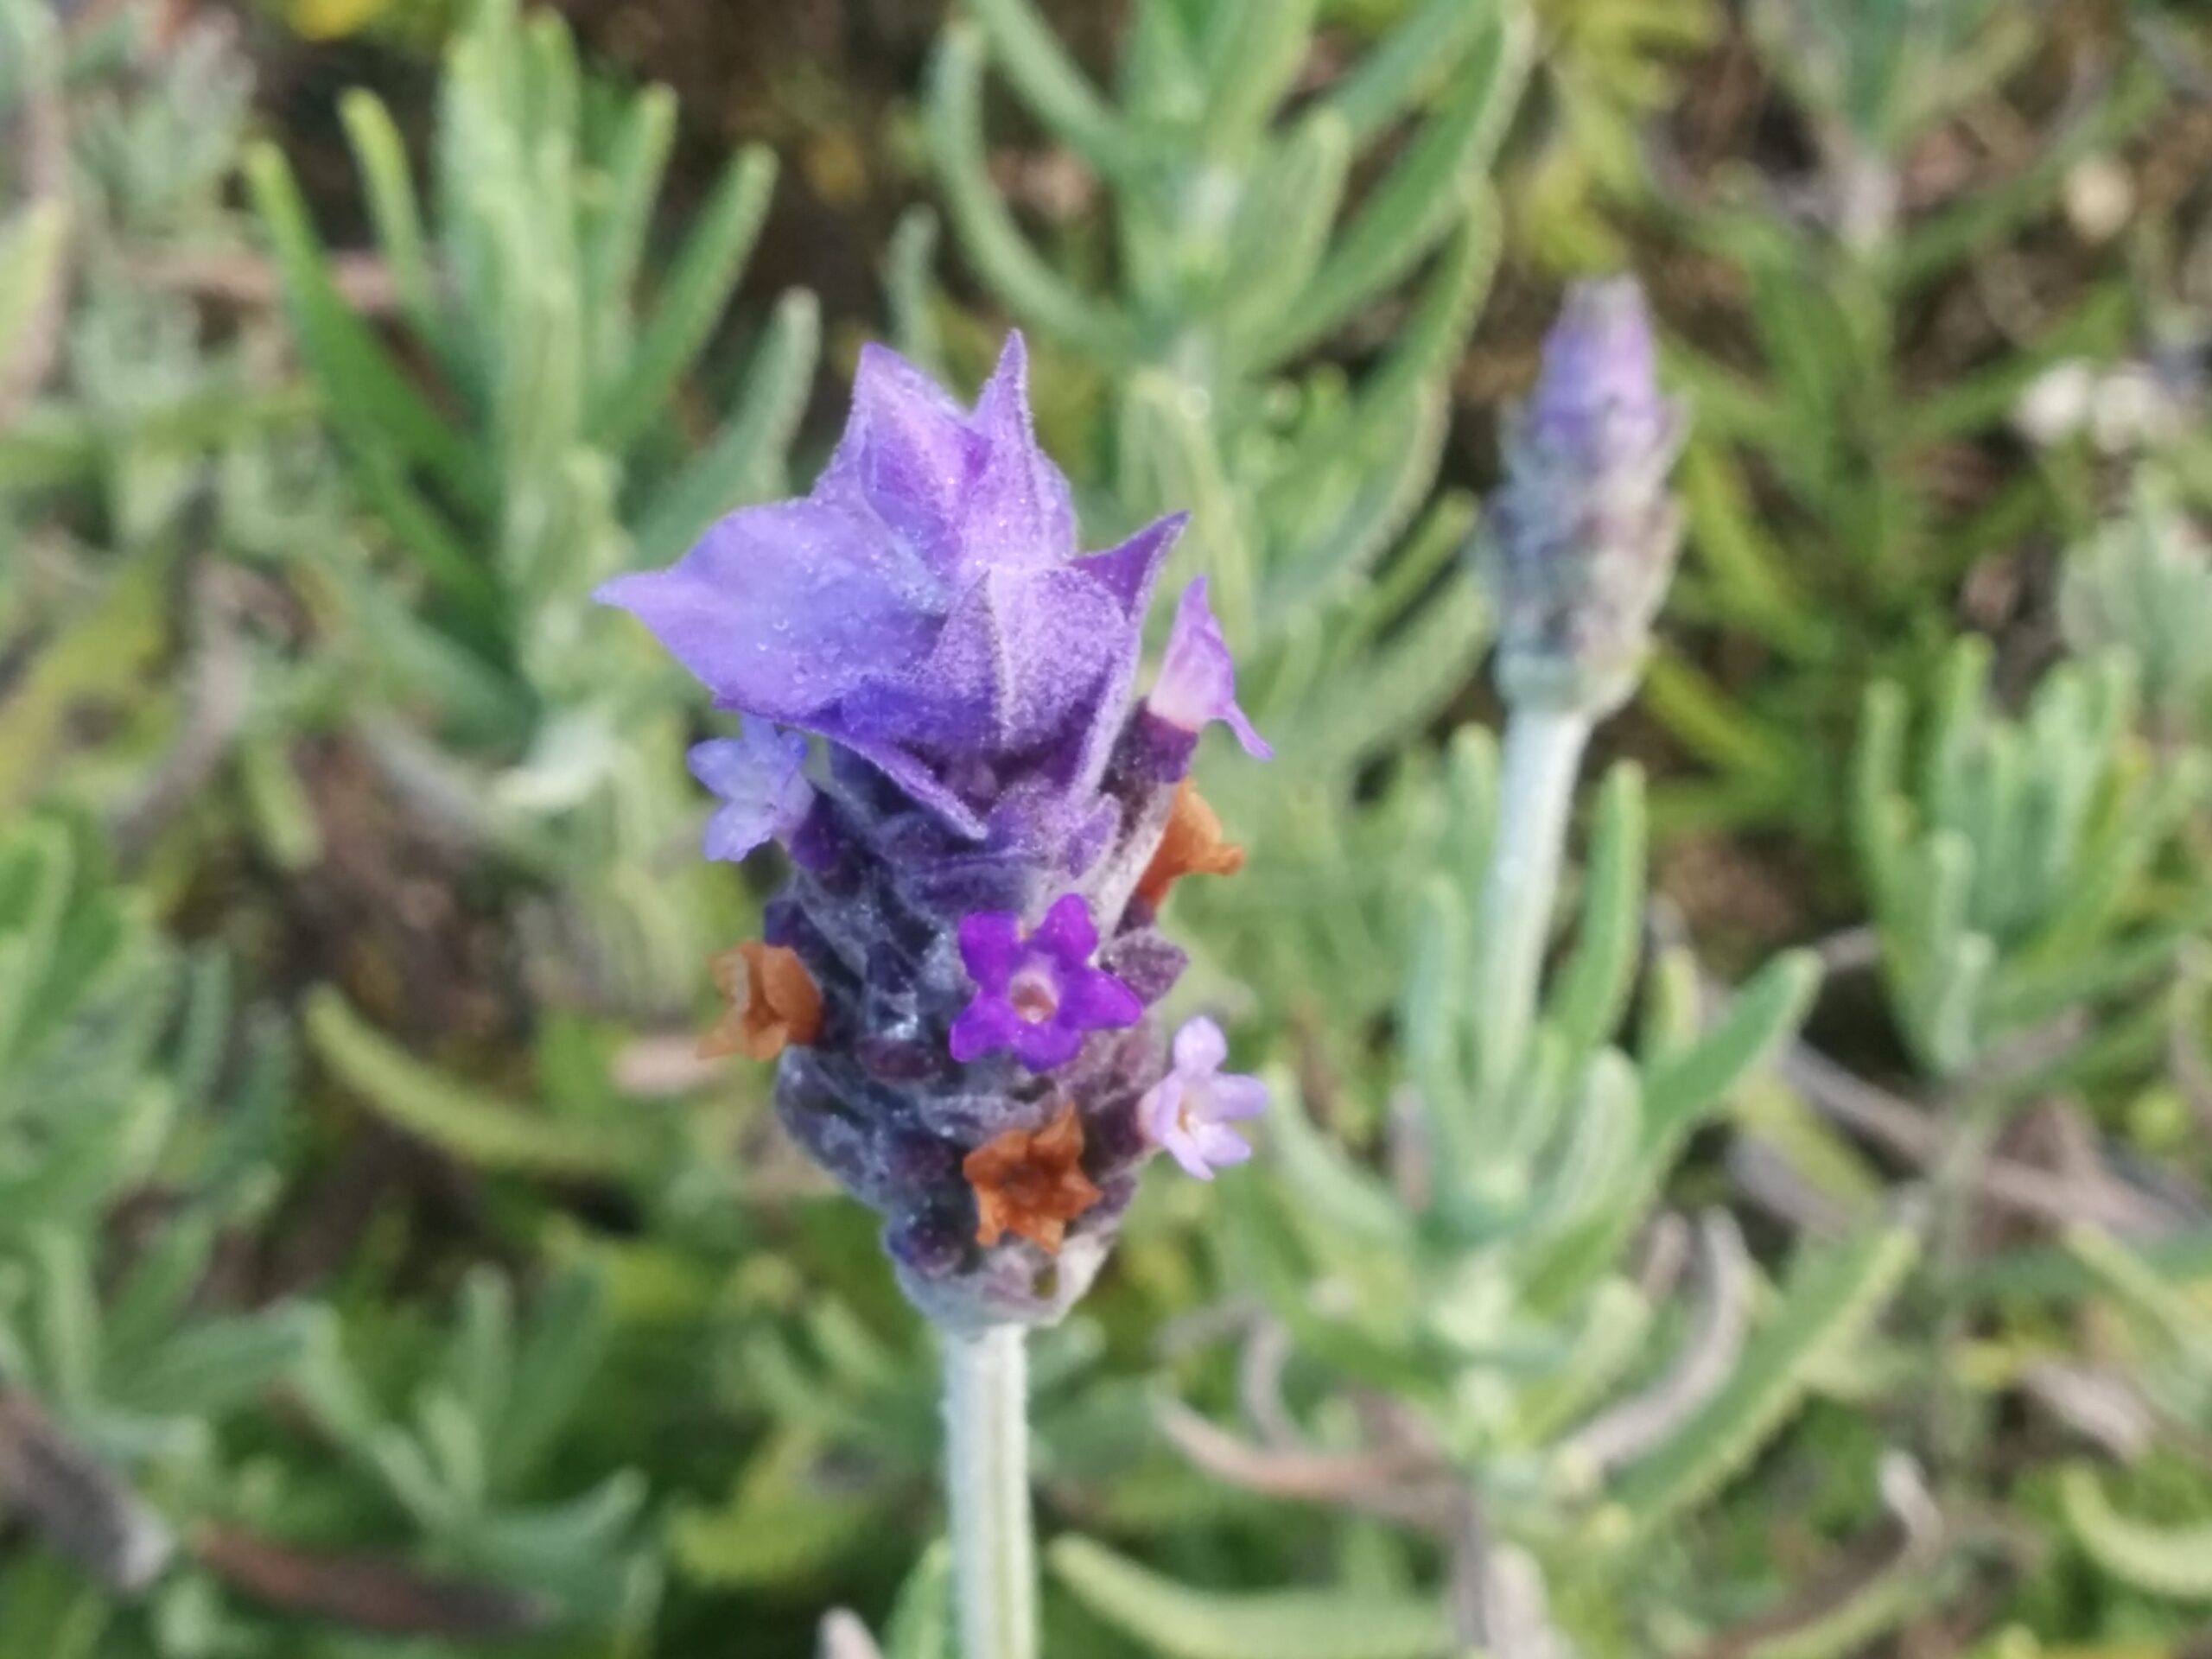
964, 865
1188, 1112
1586, 529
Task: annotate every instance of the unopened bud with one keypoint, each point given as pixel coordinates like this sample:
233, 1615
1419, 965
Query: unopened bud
1586, 529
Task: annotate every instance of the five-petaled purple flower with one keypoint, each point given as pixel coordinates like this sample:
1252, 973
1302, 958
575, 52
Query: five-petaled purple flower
1187, 1113
927, 611
1037, 995
761, 778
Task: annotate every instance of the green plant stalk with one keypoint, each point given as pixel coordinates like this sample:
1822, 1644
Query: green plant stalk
1543, 756
986, 1489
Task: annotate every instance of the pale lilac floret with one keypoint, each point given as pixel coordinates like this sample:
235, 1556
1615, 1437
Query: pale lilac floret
1037, 995
1187, 1113
761, 778
1197, 678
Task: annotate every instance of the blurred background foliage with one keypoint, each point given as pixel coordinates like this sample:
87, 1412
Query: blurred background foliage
382, 1274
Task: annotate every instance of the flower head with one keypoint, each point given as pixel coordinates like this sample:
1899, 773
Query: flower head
1187, 1113
1197, 678
1037, 995
774, 1001
761, 780
1587, 530
926, 610
924, 605
1031, 1182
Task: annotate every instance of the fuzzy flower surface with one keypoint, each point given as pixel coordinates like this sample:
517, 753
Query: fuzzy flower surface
1586, 528
966, 860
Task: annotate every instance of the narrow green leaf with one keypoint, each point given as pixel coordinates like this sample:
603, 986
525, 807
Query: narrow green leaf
368, 398
478, 1128
1591, 991
30, 266
743, 461
1832, 1294
1057, 91
1029, 287
2166, 1561
393, 209
1257, 51
618, 201
921, 1619
1181, 1623
1415, 206
691, 301
1416, 57
1681, 1088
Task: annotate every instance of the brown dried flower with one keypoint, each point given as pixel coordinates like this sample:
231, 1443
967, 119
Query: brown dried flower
772, 1000
1191, 845
1031, 1182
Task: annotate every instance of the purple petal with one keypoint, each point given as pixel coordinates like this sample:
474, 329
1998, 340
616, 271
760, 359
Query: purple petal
1159, 1110
781, 610
1197, 678
990, 945
1127, 570
1199, 1048
1184, 1151
735, 831
907, 454
1601, 369
1218, 1145
1096, 1001
1230, 1098
988, 1023
759, 776
1019, 512
1022, 652
1042, 1046
1067, 932
905, 768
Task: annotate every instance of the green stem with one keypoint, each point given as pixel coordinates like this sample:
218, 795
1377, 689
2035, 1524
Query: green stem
986, 1484
1543, 755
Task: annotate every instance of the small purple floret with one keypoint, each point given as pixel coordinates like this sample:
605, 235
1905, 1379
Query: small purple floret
761, 778
1037, 995
1198, 677
1187, 1113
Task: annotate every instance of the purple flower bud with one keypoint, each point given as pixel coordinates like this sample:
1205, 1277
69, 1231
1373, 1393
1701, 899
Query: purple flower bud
760, 776
1037, 995
1198, 678
926, 610
1587, 530
1188, 1112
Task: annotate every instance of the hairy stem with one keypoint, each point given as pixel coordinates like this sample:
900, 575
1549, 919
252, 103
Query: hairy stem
1543, 754
986, 1484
